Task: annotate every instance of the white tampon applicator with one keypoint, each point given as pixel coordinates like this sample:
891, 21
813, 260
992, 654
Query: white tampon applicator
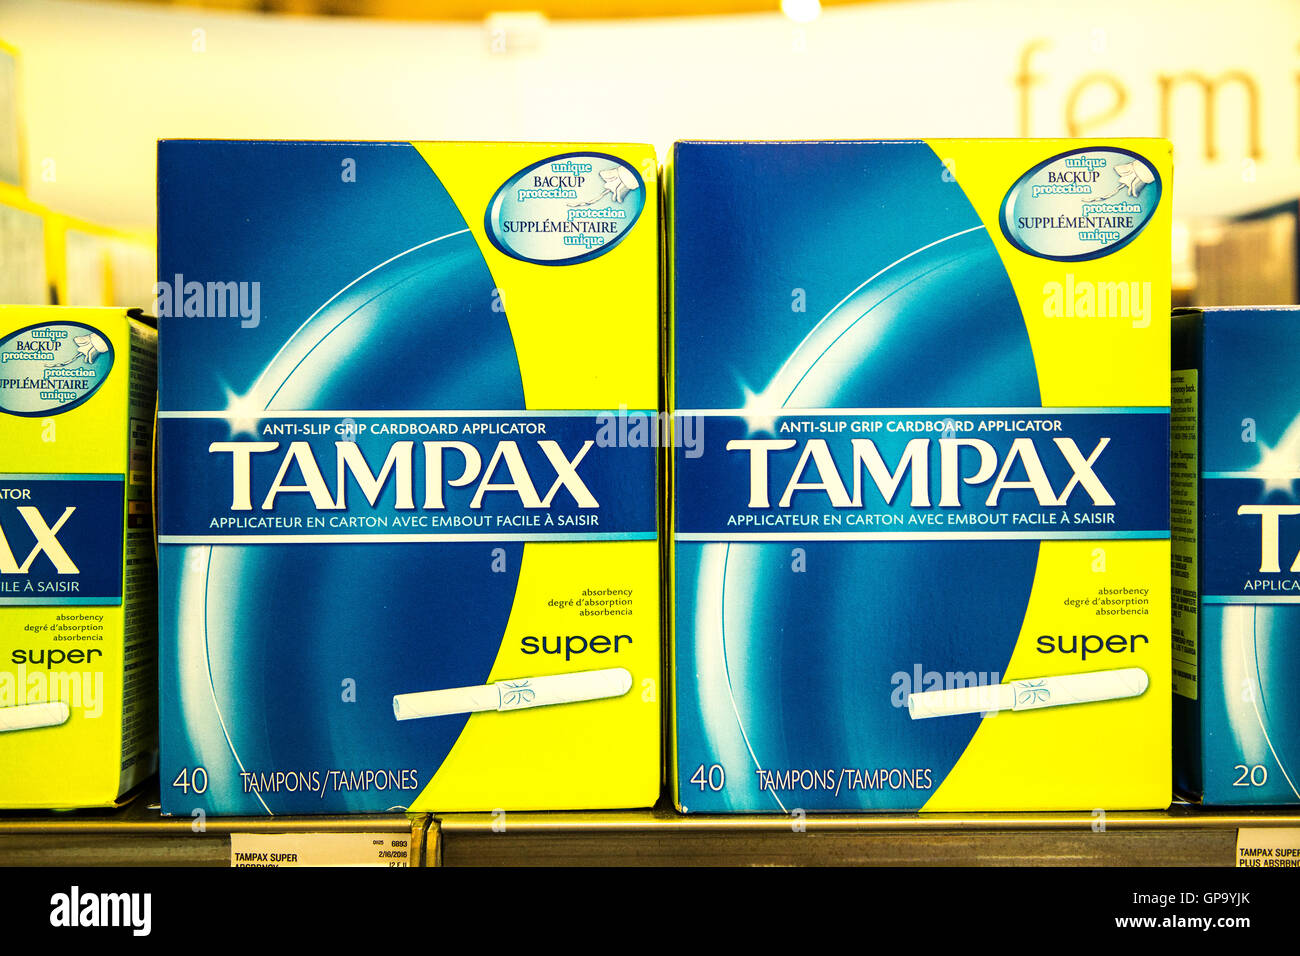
515, 694
31, 716
1029, 694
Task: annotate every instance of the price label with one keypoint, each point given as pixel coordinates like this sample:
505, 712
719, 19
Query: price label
319, 849
1269, 847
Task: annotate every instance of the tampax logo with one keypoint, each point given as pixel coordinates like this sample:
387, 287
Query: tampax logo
46, 542
1270, 548
75, 908
816, 470
400, 465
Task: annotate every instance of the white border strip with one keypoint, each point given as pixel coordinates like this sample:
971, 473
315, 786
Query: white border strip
784, 412
1264, 597
414, 413
734, 536
399, 538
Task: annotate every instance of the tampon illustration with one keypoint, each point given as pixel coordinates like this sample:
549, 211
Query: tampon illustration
89, 347
1029, 694
31, 716
1134, 177
515, 694
618, 183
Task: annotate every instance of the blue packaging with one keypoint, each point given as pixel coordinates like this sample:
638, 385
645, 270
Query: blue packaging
921, 534
1236, 554
407, 431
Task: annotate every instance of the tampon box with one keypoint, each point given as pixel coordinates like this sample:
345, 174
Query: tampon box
408, 437
927, 387
1236, 564
78, 645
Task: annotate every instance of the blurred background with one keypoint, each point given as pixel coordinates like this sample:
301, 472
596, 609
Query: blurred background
86, 89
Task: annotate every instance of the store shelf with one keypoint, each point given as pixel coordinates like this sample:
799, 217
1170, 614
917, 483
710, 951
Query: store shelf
138, 835
1183, 836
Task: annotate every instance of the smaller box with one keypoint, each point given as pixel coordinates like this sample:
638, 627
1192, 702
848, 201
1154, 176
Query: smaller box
78, 649
1236, 554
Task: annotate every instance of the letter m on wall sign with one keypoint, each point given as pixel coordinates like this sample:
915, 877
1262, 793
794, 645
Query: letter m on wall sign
47, 543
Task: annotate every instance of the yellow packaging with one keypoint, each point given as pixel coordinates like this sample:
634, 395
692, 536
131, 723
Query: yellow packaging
921, 538
77, 581
407, 486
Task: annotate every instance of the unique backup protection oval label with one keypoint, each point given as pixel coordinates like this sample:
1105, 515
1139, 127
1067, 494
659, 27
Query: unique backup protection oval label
51, 368
1082, 204
566, 209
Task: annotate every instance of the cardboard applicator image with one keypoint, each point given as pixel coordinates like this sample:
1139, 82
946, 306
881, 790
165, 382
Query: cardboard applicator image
516, 694
31, 716
1030, 694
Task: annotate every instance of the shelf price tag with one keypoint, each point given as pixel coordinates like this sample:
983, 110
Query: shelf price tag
1272, 847
319, 849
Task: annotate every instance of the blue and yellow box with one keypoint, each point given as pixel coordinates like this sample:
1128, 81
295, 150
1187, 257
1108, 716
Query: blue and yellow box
921, 487
78, 716
1236, 565
407, 481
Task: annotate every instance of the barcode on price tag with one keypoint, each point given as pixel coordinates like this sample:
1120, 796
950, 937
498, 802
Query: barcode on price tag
319, 849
